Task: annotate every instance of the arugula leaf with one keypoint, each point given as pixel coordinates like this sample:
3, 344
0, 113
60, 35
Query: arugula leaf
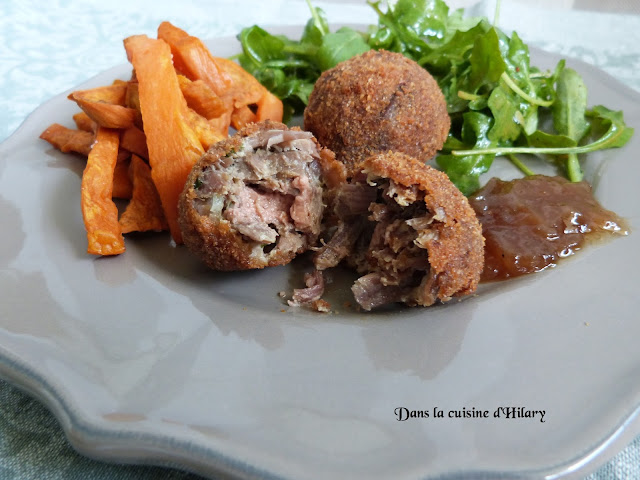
617, 134
382, 38
540, 139
465, 171
505, 107
339, 46
316, 28
569, 115
487, 62
454, 53
260, 46
403, 37
426, 18
544, 82
517, 56
571, 104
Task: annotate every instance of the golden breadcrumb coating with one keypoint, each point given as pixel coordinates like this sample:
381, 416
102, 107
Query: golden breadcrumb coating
375, 102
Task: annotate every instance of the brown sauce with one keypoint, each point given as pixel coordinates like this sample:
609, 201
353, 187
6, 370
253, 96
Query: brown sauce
531, 223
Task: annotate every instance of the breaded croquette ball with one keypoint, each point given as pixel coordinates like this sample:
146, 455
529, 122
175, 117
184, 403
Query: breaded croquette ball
409, 232
376, 102
256, 199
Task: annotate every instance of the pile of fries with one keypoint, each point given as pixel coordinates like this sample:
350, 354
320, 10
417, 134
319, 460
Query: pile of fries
141, 137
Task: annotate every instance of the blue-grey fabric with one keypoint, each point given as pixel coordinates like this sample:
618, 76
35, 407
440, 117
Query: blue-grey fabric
33, 446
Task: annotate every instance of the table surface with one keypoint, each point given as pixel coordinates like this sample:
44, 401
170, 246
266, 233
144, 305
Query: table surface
49, 47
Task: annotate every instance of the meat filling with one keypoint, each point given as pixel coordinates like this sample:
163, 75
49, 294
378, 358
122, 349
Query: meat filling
396, 260
384, 232
269, 191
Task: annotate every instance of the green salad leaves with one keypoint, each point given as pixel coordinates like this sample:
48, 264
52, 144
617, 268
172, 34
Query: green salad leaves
499, 104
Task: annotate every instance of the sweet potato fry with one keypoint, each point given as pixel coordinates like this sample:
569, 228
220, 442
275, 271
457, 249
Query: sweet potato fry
179, 101
244, 88
269, 107
68, 140
134, 140
192, 58
144, 211
132, 100
205, 131
107, 115
105, 105
173, 145
201, 98
104, 236
241, 116
238, 89
111, 94
122, 184
222, 123
83, 122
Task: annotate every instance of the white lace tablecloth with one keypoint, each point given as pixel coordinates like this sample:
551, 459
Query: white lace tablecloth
49, 47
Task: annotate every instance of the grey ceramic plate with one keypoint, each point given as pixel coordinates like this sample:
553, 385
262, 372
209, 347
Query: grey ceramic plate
150, 358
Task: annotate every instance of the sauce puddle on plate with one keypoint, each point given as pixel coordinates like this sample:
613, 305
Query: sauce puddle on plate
531, 223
